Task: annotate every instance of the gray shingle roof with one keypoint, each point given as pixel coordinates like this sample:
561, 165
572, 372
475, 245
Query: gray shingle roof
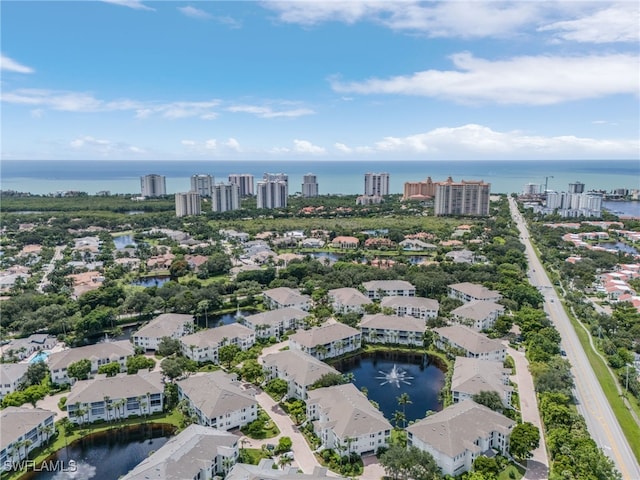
301, 367
349, 410
111, 350
323, 335
10, 372
477, 309
214, 336
16, 421
164, 325
185, 455
120, 386
264, 471
454, 429
415, 302
215, 393
472, 376
274, 317
393, 322
475, 290
388, 285
468, 339
286, 296
349, 296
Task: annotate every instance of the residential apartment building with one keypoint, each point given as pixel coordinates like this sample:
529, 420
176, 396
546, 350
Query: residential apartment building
275, 323
173, 325
465, 431
327, 341
392, 329
23, 430
376, 184
417, 307
283, 297
217, 400
267, 470
11, 376
202, 184
470, 343
153, 185
469, 292
346, 300
462, 198
377, 289
203, 346
109, 398
21, 348
344, 419
272, 194
197, 452
244, 181
419, 190
309, 186
188, 203
472, 376
300, 370
225, 197
478, 314
99, 354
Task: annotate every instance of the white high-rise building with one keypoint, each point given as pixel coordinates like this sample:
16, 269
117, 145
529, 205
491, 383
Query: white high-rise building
531, 189
272, 194
187, 203
376, 184
153, 185
309, 185
276, 177
244, 181
226, 197
203, 184
462, 198
576, 187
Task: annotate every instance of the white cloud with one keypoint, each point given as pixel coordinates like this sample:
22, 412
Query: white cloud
304, 146
533, 80
193, 12
9, 65
188, 143
435, 19
104, 147
615, 23
233, 144
211, 144
37, 113
343, 148
473, 139
268, 112
135, 4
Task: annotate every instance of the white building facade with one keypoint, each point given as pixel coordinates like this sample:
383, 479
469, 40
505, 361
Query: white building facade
187, 203
153, 185
225, 197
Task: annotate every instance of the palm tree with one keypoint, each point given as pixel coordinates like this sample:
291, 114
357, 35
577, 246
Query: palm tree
404, 400
322, 351
107, 406
284, 461
398, 417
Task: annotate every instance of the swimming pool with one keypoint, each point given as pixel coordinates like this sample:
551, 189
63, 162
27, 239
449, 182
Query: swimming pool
40, 357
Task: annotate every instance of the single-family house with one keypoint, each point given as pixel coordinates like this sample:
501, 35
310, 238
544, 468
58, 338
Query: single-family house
327, 341
217, 400
99, 354
377, 289
344, 419
283, 297
472, 376
118, 397
417, 307
275, 323
23, 430
392, 329
478, 314
197, 452
459, 434
300, 370
346, 300
415, 245
172, 325
471, 343
468, 292
203, 346
345, 242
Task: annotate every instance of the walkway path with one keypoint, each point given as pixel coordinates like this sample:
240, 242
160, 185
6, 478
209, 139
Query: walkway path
538, 464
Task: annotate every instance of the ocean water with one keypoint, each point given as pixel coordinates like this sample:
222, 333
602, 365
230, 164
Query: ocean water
42, 177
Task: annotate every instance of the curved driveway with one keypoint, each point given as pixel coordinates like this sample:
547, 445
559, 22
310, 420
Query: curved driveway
591, 401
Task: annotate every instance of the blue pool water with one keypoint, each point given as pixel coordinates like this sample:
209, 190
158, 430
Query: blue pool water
40, 357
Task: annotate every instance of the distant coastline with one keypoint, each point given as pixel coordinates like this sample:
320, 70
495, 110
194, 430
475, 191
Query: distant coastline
42, 177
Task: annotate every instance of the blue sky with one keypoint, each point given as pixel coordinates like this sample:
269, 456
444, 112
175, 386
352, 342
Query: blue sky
377, 80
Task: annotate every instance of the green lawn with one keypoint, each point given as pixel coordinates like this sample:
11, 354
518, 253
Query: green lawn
252, 456
512, 472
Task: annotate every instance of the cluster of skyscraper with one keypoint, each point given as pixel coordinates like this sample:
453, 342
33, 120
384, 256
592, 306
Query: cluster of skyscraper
572, 203
467, 197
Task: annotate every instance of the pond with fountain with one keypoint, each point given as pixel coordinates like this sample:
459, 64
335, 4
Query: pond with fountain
387, 375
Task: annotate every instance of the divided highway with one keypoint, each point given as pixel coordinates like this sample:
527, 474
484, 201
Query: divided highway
592, 403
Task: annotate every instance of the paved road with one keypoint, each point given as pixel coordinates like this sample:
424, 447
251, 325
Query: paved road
57, 255
592, 403
538, 464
